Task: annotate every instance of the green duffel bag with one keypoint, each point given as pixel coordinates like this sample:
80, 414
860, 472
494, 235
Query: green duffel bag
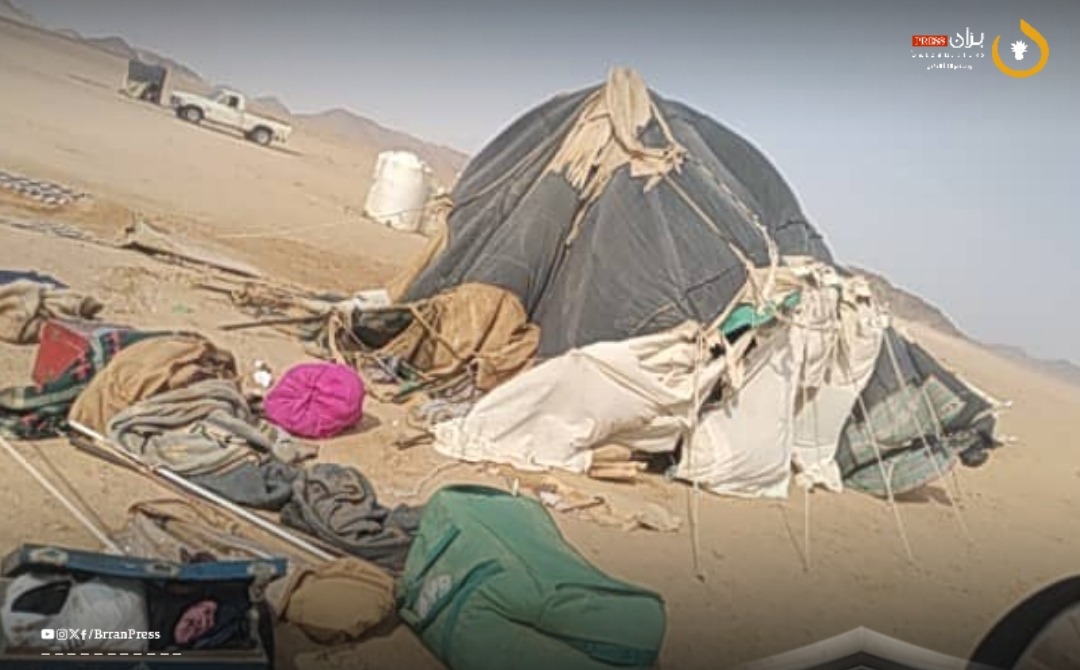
490, 583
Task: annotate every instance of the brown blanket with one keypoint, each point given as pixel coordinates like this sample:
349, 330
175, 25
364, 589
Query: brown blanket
146, 369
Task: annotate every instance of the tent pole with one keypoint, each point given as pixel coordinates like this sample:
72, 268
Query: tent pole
807, 487
694, 496
96, 531
806, 526
200, 492
886, 474
926, 445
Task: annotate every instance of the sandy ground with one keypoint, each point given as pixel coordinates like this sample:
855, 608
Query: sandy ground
761, 589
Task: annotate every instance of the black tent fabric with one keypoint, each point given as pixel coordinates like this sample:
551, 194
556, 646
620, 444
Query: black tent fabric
644, 261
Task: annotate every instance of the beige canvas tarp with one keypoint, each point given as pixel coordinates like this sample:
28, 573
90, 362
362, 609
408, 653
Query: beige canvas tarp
147, 239
473, 326
799, 389
637, 393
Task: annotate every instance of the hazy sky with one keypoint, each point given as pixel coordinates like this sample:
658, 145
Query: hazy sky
961, 185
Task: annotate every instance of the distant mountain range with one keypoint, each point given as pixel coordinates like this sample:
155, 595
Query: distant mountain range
910, 307
1061, 370
13, 13
119, 47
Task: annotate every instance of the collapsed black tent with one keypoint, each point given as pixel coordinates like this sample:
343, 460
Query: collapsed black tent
611, 214
642, 261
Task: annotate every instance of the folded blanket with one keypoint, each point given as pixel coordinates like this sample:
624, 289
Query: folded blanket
147, 369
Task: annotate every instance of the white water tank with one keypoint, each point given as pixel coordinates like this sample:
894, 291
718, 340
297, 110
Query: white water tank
399, 191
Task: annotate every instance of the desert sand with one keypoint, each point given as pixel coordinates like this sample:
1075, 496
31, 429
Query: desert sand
291, 212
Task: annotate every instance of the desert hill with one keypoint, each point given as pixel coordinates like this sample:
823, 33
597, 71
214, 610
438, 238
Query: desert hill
348, 125
908, 306
117, 46
12, 13
911, 308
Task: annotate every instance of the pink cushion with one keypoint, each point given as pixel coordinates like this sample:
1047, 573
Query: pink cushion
316, 400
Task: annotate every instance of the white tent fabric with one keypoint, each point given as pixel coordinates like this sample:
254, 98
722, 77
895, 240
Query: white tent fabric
792, 395
637, 393
796, 398
743, 447
844, 334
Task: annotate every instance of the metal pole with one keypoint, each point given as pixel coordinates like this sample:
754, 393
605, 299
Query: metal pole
209, 496
47, 485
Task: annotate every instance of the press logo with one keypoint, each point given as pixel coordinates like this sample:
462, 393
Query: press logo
1019, 50
949, 53
964, 50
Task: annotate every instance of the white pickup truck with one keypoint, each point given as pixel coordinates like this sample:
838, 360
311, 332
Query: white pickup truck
227, 108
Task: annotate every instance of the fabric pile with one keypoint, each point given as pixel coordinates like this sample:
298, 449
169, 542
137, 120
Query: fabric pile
175, 401
475, 331
25, 305
208, 434
332, 602
338, 504
41, 411
146, 369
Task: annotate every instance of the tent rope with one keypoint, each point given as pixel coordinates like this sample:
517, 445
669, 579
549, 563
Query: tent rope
901, 379
939, 434
886, 472
886, 476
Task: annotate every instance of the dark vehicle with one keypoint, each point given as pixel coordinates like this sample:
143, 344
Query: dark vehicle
145, 81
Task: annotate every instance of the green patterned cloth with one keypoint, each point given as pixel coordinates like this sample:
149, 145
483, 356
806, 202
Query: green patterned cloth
898, 426
920, 418
40, 412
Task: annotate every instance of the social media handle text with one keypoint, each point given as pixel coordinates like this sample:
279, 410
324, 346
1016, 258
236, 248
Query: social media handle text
91, 634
